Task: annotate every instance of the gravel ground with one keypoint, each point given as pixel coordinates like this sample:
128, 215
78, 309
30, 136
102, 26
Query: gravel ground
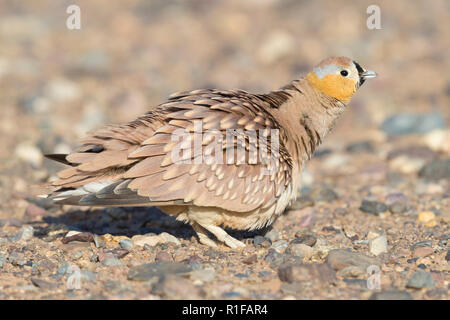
372, 217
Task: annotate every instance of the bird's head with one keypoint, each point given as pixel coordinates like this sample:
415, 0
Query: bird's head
339, 77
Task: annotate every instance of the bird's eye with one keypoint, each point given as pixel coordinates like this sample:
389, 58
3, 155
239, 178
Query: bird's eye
344, 73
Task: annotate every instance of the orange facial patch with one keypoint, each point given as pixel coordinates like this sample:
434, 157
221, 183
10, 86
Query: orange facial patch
333, 85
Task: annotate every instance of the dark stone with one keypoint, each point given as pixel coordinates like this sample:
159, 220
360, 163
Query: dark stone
372, 207
157, 269
308, 239
361, 146
420, 152
436, 170
307, 272
398, 207
358, 282
341, 258
424, 243
250, 260
240, 275
231, 294
277, 259
17, 259
163, 256
421, 279
322, 152
397, 203
119, 253
324, 194
260, 241
99, 243
391, 295
46, 265
193, 259
447, 256
81, 237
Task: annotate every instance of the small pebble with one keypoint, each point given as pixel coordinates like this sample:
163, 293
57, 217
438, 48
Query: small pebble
280, 245
153, 240
324, 194
272, 235
341, 258
231, 294
427, 218
373, 207
422, 252
126, 244
119, 253
436, 170
99, 242
397, 203
259, 241
78, 236
317, 272
361, 146
17, 258
300, 250
163, 256
378, 245
308, 239
77, 255
25, 233
250, 260
2, 260
421, 279
424, 243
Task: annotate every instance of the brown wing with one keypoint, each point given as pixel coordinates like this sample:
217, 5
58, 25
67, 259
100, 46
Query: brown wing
155, 159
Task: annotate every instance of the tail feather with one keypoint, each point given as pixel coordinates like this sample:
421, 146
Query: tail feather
59, 157
104, 194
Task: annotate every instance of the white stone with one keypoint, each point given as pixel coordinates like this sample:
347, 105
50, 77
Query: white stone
438, 140
153, 240
378, 245
71, 233
29, 153
405, 164
165, 237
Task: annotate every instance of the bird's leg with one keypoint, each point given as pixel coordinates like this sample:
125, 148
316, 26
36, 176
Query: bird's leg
202, 236
221, 235
210, 219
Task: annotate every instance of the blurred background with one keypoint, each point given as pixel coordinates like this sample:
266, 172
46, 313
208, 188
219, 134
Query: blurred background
128, 56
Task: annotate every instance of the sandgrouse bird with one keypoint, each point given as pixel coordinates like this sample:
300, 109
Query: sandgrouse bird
146, 163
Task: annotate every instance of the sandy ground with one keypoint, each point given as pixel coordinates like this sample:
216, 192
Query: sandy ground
378, 188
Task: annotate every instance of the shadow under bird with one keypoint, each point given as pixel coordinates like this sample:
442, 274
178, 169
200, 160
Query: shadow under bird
133, 164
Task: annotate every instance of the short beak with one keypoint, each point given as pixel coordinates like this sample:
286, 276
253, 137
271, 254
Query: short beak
368, 74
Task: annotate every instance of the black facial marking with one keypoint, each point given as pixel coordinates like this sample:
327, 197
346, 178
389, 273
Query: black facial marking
360, 71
